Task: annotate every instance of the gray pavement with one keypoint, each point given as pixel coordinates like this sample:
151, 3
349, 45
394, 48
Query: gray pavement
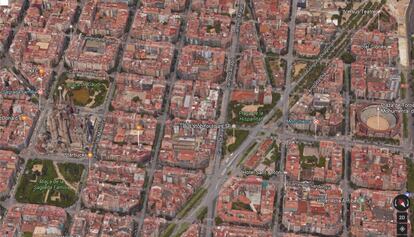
227, 167
230, 77
162, 120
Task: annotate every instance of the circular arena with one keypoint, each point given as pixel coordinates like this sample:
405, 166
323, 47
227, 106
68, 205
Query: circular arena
375, 119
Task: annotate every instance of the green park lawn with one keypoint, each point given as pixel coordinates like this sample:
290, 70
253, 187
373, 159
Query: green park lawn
35, 185
83, 92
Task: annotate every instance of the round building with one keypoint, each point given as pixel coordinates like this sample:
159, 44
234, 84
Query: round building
371, 120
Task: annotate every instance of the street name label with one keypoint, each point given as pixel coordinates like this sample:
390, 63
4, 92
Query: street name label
405, 108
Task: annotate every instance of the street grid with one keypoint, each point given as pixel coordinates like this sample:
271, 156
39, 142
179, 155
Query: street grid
221, 170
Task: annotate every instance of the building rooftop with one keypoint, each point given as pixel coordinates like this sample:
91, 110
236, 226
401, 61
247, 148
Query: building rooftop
16, 105
201, 63
248, 37
140, 94
209, 29
332, 79
113, 186
375, 46
271, 9
37, 47
375, 81
313, 209
50, 16
103, 18
9, 14
186, 147
8, 18
378, 168
372, 213
205, 100
119, 140
192, 231
148, 58
175, 6
171, 189
374, 120
259, 155
274, 34
91, 54
327, 109
310, 38
153, 24
9, 163
153, 226
64, 131
30, 217
252, 70
247, 200
32, 72
198, 100
327, 166
217, 6
181, 99
87, 223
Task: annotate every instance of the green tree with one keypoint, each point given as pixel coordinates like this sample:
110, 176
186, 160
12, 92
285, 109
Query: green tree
218, 220
348, 58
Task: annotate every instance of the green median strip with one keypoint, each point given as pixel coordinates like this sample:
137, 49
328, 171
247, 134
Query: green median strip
246, 154
169, 230
405, 125
182, 229
190, 204
310, 78
403, 91
201, 214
